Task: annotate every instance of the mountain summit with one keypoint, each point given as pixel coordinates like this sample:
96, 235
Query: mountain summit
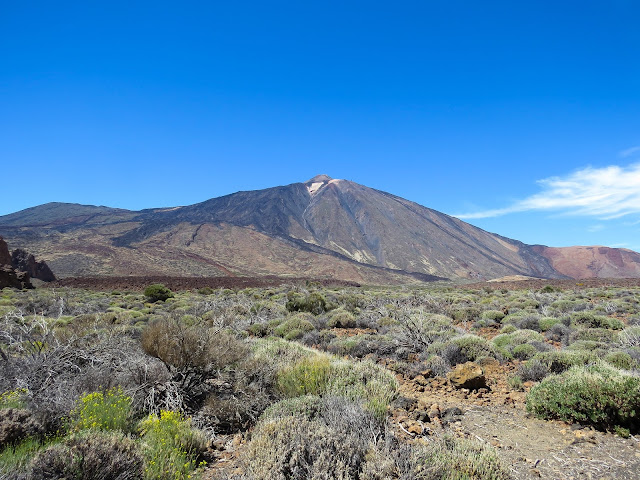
323, 227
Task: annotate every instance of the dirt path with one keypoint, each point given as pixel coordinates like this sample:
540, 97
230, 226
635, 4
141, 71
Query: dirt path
532, 448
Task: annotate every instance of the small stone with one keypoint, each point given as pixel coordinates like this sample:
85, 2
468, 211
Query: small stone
415, 428
421, 380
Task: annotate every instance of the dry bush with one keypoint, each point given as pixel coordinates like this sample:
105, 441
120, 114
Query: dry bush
91, 456
193, 355
15, 425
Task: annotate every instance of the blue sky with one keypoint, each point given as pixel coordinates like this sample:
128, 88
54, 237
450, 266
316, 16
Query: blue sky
521, 117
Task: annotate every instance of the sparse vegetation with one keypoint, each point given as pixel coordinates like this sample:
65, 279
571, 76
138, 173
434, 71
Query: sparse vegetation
140, 379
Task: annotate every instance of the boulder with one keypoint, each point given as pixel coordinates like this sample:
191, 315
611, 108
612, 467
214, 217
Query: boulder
9, 277
468, 375
26, 262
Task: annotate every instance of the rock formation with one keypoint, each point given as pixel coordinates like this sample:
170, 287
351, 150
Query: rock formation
17, 270
26, 262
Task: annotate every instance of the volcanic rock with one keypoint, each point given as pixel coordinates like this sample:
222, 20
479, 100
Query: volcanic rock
5, 256
468, 375
26, 262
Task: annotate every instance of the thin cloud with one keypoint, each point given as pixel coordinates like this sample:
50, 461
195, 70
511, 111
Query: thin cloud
605, 193
630, 151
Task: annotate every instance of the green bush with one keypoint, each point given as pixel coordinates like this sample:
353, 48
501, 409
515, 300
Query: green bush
548, 322
474, 347
341, 318
313, 303
308, 376
296, 323
157, 293
110, 410
591, 320
620, 360
562, 360
524, 351
463, 459
496, 315
170, 446
598, 395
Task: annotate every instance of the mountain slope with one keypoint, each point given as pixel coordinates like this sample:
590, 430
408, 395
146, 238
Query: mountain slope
320, 228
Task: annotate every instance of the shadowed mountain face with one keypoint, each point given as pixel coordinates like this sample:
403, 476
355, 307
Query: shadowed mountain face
320, 228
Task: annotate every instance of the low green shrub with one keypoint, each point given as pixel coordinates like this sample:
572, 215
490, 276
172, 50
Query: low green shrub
170, 447
297, 324
341, 318
157, 293
562, 360
308, 376
314, 303
461, 459
496, 315
548, 322
591, 320
598, 395
524, 351
620, 360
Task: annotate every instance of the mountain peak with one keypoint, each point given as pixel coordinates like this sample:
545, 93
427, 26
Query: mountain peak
319, 179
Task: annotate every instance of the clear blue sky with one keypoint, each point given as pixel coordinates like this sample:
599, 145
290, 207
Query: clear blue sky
461, 106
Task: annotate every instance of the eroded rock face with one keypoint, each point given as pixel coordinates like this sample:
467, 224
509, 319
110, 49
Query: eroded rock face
17, 270
10, 277
26, 262
5, 256
468, 375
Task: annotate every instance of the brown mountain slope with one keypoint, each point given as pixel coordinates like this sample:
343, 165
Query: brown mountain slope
320, 228
592, 262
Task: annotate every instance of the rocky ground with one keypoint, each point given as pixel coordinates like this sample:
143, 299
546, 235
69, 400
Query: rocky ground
431, 406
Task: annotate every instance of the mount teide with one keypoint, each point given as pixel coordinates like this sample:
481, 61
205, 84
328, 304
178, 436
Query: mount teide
320, 228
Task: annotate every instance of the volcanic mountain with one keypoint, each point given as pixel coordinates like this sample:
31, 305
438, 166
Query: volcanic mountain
322, 228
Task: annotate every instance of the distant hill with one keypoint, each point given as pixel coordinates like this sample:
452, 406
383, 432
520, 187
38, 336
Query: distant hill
322, 228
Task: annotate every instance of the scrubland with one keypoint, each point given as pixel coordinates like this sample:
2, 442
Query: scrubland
304, 381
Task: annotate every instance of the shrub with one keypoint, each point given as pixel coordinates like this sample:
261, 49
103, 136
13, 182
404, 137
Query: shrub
591, 320
455, 459
157, 293
16, 425
620, 360
295, 324
598, 395
313, 303
474, 347
308, 376
16, 459
340, 318
629, 337
563, 360
332, 445
89, 456
524, 351
13, 399
533, 370
495, 315
109, 410
548, 322
170, 446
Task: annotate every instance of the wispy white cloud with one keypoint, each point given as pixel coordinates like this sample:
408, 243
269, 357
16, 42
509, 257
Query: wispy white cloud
633, 151
595, 228
605, 193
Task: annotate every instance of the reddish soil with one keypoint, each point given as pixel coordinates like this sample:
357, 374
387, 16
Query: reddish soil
563, 284
187, 283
